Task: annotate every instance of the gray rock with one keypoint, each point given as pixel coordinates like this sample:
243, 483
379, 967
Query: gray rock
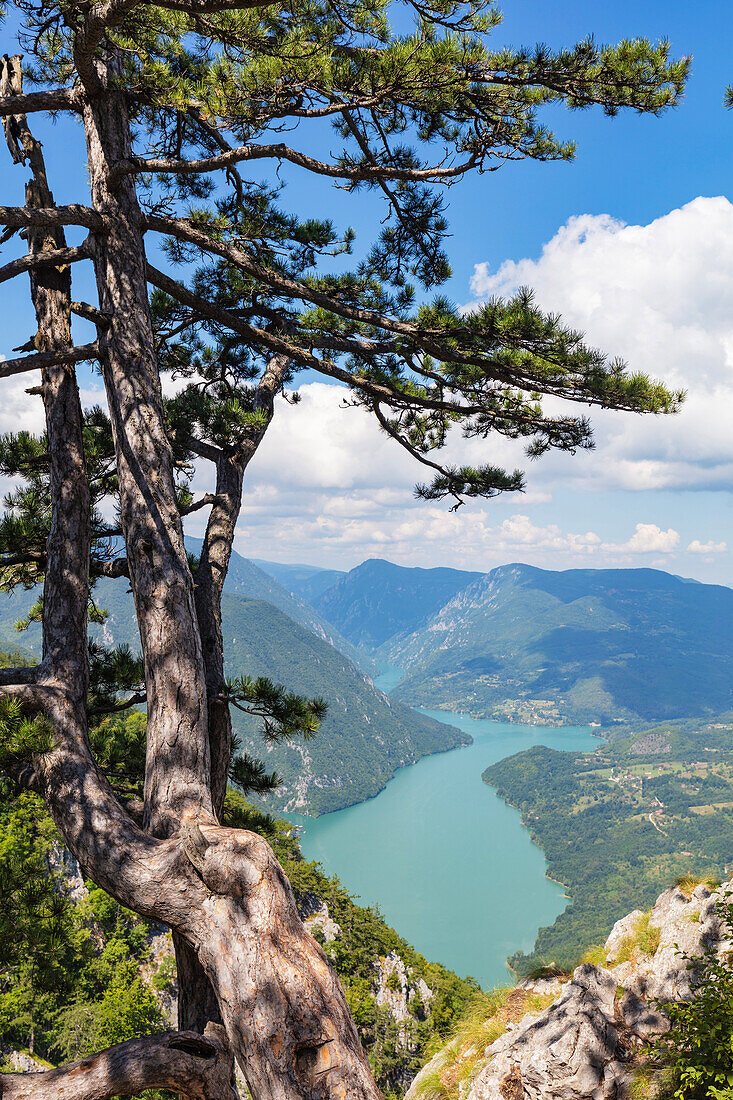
65, 870
686, 927
542, 986
320, 918
621, 930
581, 1046
641, 1019
571, 1050
24, 1063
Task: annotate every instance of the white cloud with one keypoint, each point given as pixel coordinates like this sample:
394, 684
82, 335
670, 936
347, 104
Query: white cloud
697, 547
661, 297
650, 539
327, 486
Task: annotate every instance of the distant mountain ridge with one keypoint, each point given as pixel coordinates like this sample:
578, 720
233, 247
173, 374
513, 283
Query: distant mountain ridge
306, 581
580, 645
535, 645
246, 578
379, 600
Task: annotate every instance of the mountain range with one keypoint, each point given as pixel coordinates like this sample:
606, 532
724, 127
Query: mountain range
377, 601
517, 643
533, 645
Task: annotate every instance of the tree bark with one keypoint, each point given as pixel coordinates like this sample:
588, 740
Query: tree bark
279, 997
196, 999
199, 1067
177, 762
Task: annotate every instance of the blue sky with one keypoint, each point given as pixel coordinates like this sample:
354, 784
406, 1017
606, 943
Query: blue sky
325, 489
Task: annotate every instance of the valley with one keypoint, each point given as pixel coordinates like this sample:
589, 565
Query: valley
523, 666
516, 657
270, 632
605, 646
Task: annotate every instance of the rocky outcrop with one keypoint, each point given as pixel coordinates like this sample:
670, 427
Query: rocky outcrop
316, 917
21, 1062
684, 925
160, 974
572, 1049
65, 870
396, 989
585, 1044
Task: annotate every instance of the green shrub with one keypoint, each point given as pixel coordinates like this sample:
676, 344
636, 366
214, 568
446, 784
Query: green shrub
698, 1049
165, 976
393, 982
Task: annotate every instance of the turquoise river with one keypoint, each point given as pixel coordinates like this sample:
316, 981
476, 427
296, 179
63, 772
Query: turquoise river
447, 862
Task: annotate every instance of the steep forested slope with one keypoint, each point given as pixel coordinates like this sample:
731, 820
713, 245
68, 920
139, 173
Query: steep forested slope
378, 600
245, 578
78, 972
365, 736
581, 645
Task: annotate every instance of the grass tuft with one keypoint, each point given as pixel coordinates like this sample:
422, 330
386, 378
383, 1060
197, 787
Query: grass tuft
485, 1021
596, 955
687, 883
642, 940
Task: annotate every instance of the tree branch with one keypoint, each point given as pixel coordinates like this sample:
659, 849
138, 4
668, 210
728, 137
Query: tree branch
200, 1067
390, 431
125, 704
90, 313
185, 231
210, 7
26, 676
204, 502
201, 448
438, 343
50, 217
57, 99
43, 359
280, 151
57, 257
119, 567
279, 346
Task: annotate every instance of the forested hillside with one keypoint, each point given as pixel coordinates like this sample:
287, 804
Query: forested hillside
245, 578
619, 825
365, 736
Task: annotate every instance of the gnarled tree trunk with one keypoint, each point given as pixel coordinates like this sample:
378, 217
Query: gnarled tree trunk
196, 1066
221, 890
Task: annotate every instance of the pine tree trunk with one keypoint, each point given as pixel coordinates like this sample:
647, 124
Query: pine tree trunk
177, 767
285, 1014
197, 1003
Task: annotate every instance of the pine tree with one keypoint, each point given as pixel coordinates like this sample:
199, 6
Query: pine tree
183, 105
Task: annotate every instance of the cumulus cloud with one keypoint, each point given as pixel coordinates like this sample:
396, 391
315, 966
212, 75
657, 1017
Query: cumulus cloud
661, 297
697, 547
650, 539
327, 486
